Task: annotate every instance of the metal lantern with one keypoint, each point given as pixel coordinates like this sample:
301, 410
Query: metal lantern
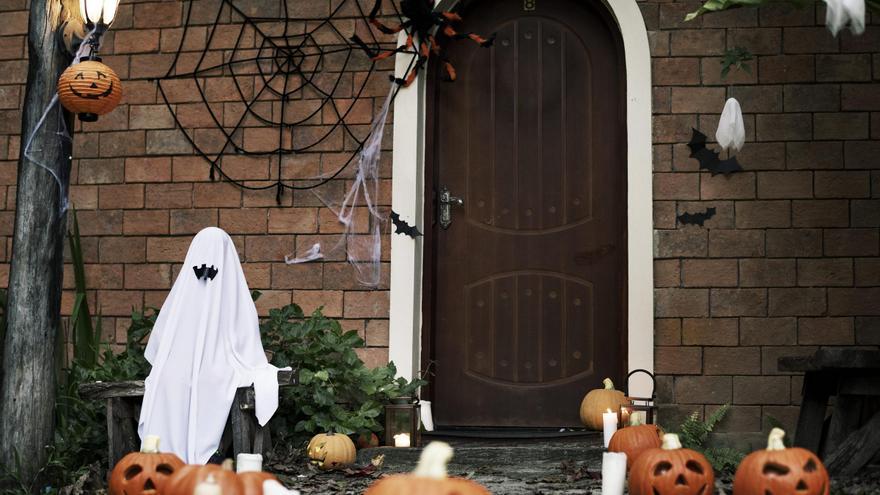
639, 404
402, 423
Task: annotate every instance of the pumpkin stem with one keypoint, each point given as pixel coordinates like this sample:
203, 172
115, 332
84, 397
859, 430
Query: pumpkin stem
226, 465
208, 487
609, 385
432, 462
150, 445
774, 439
671, 442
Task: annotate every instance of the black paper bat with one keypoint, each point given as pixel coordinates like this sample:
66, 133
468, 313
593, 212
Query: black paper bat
401, 227
710, 160
205, 272
696, 218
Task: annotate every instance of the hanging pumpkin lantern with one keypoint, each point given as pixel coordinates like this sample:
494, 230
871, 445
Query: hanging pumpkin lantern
671, 470
89, 89
250, 471
635, 439
331, 451
598, 401
778, 471
429, 477
144, 472
186, 479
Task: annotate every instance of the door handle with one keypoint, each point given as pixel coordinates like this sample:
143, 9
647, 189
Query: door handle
446, 200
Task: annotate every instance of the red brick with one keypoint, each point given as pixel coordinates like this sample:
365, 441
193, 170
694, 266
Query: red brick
768, 331
272, 299
682, 242
139, 41
865, 213
167, 249
244, 221
812, 98
820, 213
784, 185
145, 222
843, 68
868, 331
667, 273
121, 196
298, 276
762, 214
794, 242
867, 271
697, 99
681, 302
676, 186
258, 275
840, 126
709, 273
852, 242
161, 14
667, 331
732, 360
147, 170
776, 69
736, 243
709, 331
761, 272
860, 301
843, 184
109, 171
311, 300
366, 304
739, 302
860, 97
673, 128
373, 357
733, 186
678, 360
763, 41
825, 272
83, 197
216, 194
770, 357
192, 221
703, 389
122, 250
168, 196
698, 42
268, 247
826, 331
761, 390
862, 154
758, 99
119, 303
377, 333
150, 117
797, 302
152, 276
122, 144
809, 40
784, 127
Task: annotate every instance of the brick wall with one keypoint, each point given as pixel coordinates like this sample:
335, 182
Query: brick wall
790, 261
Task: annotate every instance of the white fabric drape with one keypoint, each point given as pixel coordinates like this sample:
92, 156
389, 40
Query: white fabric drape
205, 344
731, 133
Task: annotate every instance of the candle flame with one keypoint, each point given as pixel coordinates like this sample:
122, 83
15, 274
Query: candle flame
609, 410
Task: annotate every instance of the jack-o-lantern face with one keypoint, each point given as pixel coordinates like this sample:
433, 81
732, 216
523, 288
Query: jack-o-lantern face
90, 89
781, 471
671, 470
145, 472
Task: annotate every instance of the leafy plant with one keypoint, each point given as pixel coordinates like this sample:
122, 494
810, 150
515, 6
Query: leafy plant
736, 57
336, 391
86, 337
694, 434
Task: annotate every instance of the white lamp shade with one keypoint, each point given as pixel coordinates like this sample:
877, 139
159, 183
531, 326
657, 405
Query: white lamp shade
98, 11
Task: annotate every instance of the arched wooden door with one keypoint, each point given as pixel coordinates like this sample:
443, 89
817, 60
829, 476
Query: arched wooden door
528, 280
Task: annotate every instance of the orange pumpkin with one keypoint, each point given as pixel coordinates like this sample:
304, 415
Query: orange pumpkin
635, 439
186, 479
90, 89
250, 471
671, 470
365, 441
331, 451
144, 472
429, 477
779, 471
598, 401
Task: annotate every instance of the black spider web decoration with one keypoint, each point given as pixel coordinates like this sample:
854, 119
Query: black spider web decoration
272, 86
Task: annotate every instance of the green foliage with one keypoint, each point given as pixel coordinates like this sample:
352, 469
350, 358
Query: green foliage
736, 57
694, 435
336, 391
86, 337
719, 5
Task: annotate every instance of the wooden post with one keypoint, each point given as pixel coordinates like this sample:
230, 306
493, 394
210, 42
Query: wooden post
27, 387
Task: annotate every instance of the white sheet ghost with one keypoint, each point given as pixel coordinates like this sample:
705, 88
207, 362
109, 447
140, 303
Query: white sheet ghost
205, 344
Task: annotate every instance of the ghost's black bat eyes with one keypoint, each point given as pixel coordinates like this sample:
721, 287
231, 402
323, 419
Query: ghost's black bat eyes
205, 272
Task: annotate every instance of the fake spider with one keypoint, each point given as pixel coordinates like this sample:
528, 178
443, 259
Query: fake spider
421, 21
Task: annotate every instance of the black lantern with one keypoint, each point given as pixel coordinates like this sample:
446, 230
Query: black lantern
643, 406
402, 423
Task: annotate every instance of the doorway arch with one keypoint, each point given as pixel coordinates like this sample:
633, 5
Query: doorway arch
408, 199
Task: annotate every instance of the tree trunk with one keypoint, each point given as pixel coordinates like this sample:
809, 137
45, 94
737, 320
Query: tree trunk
27, 386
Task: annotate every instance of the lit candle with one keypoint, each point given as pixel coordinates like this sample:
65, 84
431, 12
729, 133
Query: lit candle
624, 416
401, 440
613, 473
609, 420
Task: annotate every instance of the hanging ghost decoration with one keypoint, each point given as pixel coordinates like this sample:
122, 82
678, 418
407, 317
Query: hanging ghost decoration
839, 13
204, 345
731, 133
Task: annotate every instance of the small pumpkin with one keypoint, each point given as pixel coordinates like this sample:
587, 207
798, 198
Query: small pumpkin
331, 451
144, 472
671, 470
186, 479
250, 471
598, 402
429, 477
635, 439
780, 471
365, 441
90, 89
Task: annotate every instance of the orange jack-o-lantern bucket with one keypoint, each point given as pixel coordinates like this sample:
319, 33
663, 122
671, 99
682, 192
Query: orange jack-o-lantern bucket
89, 89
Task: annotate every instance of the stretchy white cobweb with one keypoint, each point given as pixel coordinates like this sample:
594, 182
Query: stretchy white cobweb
278, 95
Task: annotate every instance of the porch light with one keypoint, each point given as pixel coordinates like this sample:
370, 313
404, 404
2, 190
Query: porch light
402, 423
98, 13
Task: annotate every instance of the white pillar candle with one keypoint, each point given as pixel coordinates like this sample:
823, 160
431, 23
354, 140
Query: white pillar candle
613, 473
426, 416
248, 462
401, 440
609, 420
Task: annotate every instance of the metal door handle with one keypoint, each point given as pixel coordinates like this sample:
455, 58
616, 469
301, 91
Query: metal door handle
446, 201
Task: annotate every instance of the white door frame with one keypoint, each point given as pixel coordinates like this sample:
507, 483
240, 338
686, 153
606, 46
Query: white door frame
407, 197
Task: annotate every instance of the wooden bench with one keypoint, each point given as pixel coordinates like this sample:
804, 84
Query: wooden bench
850, 439
124, 408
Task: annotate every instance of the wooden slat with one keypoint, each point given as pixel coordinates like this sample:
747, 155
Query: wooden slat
857, 450
831, 359
135, 388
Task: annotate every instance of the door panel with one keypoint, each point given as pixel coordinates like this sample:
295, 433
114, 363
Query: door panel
529, 278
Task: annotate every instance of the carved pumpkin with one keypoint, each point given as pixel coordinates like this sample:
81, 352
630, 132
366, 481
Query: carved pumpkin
186, 479
781, 471
250, 471
598, 401
331, 451
429, 477
90, 89
671, 470
635, 439
144, 472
